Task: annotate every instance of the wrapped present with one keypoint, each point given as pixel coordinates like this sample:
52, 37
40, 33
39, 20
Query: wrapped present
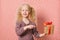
48, 28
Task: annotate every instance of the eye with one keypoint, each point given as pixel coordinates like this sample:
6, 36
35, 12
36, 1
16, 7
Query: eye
27, 10
22, 10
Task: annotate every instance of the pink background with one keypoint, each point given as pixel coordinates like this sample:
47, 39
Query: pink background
46, 10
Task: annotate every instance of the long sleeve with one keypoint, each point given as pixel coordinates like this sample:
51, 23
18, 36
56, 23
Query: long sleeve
19, 29
35, 33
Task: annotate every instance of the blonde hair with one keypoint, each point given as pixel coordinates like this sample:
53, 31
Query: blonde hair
31, 15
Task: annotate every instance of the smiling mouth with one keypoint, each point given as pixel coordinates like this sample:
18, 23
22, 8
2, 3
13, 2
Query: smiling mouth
25, 14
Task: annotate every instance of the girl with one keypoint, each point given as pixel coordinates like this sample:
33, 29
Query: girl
25, 26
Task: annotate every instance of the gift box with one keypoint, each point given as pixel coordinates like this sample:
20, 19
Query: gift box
48, 28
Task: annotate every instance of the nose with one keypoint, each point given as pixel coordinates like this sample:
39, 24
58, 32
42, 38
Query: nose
24, 12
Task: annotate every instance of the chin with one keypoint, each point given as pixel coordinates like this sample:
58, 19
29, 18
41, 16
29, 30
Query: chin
26, 16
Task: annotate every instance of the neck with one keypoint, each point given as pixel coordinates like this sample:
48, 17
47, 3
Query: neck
25, 20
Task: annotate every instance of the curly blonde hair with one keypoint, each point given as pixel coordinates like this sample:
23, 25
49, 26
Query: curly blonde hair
31, 15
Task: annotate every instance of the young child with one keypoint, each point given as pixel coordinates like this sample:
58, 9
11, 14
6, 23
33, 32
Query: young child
25, 25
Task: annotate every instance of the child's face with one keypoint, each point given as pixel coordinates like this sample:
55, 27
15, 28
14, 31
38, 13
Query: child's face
25, 11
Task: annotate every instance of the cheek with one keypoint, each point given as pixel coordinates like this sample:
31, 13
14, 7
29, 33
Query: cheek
27, 12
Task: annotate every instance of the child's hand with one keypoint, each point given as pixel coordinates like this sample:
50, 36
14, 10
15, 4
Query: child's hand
30, 26
41, 35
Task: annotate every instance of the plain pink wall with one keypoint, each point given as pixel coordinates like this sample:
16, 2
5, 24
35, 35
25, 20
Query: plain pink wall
46, 10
